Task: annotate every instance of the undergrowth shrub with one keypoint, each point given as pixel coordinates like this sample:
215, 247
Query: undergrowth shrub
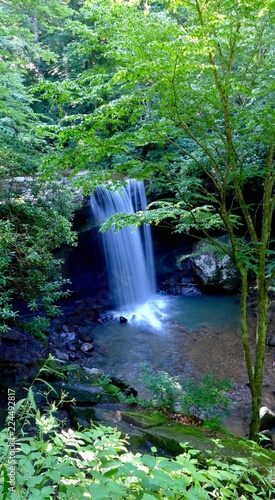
57, 463
35, 220
205, 398
96, 464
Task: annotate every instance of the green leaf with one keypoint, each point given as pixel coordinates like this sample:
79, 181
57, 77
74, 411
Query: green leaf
99, 491
147, 496
66, 470
26, 448
54, 475
34, 481
149, 461
31, 399
249, 487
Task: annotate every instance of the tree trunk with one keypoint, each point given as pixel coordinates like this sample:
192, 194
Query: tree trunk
262, 324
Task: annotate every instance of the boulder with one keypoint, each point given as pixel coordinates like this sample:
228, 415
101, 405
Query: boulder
95, 373
63, 356
267, 418
144, 420
270, 341
87, 347
81, 393
214, 269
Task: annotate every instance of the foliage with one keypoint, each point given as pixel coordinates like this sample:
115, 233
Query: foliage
34, 222
164, 390
34, 215
181, 94
37, 326
205, 398
26, 409
95, 463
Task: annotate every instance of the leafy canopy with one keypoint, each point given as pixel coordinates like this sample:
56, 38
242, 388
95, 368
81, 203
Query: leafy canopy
34, 215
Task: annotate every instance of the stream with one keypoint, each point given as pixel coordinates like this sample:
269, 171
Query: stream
185, 336
198, 335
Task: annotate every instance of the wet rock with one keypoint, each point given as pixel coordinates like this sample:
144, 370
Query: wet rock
84, 338
179, 283
78, 320
63, 356
93, 371
122, 319
69, 336
80, 392
87, 312
214, 268
87, 347
267, 418
270, 341
72, 347
11, 336
123, 386
64, 328
104, 317
18, 349
82, 416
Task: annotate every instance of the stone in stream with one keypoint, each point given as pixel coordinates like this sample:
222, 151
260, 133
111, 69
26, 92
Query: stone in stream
63, 356
87, 347
69, 336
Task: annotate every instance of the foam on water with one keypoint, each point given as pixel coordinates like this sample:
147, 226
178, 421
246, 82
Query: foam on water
150, 314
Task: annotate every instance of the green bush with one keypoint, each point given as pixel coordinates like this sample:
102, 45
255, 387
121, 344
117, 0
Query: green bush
164, 389
35, 220
96, 464
40, 460
205, 398
37, 326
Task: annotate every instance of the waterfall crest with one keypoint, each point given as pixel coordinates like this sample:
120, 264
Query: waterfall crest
128, 252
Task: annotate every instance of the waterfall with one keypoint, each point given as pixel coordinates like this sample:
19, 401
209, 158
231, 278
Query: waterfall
128, 252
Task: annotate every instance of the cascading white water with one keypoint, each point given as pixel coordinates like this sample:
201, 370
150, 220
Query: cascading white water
128, 253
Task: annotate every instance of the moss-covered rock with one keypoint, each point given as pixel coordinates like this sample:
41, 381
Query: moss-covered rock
77, 374
81, 393
85, 417
144, 420
214, 269
82, 416
171, 437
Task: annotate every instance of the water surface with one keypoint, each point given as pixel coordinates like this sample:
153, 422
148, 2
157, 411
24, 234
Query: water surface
124, 346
